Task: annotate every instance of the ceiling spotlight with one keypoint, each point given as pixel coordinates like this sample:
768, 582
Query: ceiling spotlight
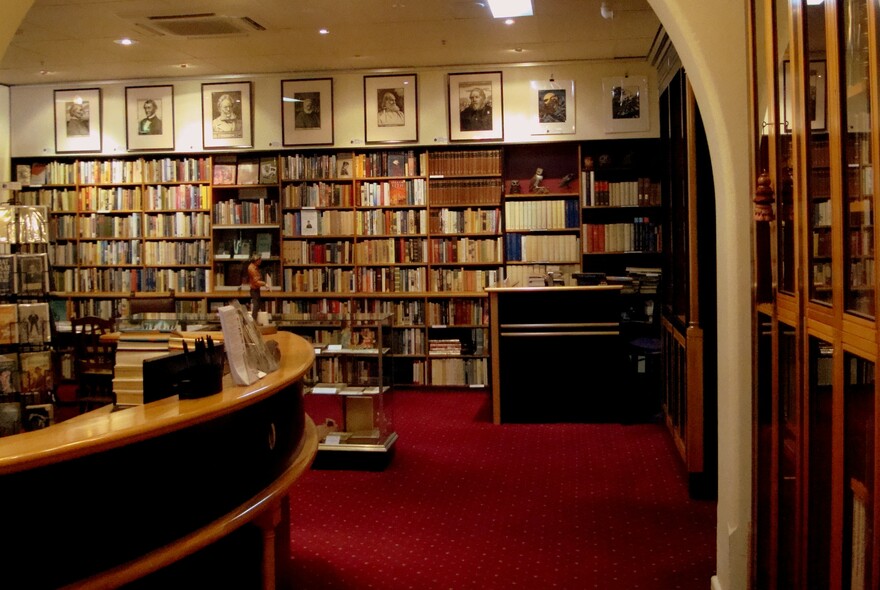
509, 21
606, 11
510, 8
125, 41
323, 31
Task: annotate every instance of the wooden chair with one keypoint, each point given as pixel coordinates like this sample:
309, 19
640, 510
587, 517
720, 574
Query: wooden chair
141, 303
93, 362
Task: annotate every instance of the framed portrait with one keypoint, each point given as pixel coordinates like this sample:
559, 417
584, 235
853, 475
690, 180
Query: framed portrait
149, 117
475, 107
626, 103
227, 116
391, 109
815, 96
307, 111
78, 120
552, 107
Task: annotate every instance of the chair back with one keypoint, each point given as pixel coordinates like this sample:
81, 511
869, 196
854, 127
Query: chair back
140, 303
92, 355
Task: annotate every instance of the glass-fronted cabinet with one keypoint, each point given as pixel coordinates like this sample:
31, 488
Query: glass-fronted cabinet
816, 341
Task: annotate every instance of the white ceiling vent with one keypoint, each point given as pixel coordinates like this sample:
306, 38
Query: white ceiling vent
201, 25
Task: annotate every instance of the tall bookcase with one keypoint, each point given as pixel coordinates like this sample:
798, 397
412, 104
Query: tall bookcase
414, 233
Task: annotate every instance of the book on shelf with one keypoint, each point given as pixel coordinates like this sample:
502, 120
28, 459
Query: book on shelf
8, 275
268, 170
36, 371
309, 222
23, 173
8, 323
10, 379
33, 273
38, 173
33, 323
32, 222
38, 416
10, 418
248, 171
264, 244
344, 165
224, 170
396, 164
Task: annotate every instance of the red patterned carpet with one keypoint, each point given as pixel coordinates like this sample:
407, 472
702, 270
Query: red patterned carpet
467, 504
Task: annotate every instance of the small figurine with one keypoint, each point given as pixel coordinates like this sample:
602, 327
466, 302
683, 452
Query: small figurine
535, 184
566, 180
515, 188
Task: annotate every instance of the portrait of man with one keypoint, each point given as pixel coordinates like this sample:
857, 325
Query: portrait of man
77, 118
477, 115
391, 107
551, 106
151, 124
227, 118
307, 109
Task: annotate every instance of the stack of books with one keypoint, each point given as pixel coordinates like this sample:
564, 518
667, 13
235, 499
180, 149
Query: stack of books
444, 347
128, 372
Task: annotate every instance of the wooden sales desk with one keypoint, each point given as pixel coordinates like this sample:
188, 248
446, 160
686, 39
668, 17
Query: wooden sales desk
557, 355
109, 497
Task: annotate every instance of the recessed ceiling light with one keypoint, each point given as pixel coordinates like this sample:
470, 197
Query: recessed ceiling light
125, 41
324, 31
509, 21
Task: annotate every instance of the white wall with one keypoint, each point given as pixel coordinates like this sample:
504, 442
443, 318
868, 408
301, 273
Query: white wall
32, 120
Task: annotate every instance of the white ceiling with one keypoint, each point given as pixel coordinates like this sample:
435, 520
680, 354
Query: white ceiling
73, 40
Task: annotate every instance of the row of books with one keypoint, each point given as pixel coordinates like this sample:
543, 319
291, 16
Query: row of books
114, 171
444, 280
466, 250
409, 341
642, 235
111, 279
465, 162
550, 214
471, 221
393, 193
317, 194
183, 224
390, 250
302, 252
311, 222
385, 164
466, 191
458, 312
378, 222
471, 372
539, 248
233, 212
642, 192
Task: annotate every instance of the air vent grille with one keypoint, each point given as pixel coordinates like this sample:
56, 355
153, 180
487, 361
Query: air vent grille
202, 25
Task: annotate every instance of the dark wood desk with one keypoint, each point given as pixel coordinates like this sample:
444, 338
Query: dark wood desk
110, 496
557, 355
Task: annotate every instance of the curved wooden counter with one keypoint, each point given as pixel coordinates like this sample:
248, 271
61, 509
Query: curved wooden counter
110, 496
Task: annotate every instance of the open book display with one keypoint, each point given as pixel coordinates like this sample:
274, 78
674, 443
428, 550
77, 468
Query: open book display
248, 354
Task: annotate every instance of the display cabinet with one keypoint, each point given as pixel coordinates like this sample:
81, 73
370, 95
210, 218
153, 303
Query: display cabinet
351, 365
817, 344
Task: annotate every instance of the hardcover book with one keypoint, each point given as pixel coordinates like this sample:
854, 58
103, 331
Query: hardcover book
309, 225
37, 416
8, 323
344, 164
33, 224
36, 371
8, 282
33, 270
224, 170
249, 172
264, 244
9, 377
268, 171
10, 418
396, 164
33, 323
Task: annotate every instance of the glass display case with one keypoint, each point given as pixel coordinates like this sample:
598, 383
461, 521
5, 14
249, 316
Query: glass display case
350, 379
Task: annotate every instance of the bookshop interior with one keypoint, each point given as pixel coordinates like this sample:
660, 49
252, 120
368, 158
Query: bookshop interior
234, 236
